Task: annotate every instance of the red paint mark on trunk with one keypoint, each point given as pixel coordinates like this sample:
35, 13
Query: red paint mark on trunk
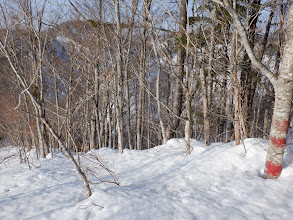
273, 170
121, 130
278, 142
282, 125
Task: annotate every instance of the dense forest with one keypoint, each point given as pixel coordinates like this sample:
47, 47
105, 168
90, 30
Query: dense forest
82, 75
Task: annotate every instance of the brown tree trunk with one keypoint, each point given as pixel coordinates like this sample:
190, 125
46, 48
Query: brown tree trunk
181, 54
236, 85
93, 134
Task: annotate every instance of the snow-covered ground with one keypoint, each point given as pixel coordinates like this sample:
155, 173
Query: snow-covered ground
218, 182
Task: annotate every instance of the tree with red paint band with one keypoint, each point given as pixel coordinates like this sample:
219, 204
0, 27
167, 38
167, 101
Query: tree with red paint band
283, 86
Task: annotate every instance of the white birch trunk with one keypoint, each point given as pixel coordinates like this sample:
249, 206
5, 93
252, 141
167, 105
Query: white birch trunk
282, 108
119, 82
159, 108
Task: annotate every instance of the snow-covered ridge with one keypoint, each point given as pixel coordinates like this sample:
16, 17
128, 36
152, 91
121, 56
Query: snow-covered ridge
217, 182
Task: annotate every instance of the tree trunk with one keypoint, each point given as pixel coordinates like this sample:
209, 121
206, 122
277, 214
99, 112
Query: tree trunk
149, 113
188, 123
265, 125
40, 136
282, 108
68, 111
236, 110
93, 134
159, 107
280, 40
210, 60
205, 109
181, 54
42, 111
140, 110
228, 113
119, 81
95, 114
279, 128
128, 111
236, 85
56, 90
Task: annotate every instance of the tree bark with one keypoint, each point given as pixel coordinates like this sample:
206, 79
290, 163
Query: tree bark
119, 81
159, 107
265, 125
93, 134
205, 108
188, 124
236, 106
181, 54
141, 94
282, 106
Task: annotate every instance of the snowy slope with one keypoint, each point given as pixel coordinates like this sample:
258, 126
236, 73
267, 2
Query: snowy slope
218, 182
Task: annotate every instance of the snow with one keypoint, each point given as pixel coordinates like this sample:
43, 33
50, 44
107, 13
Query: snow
216, 182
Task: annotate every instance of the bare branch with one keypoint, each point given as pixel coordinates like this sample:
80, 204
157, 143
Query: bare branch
264, 70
